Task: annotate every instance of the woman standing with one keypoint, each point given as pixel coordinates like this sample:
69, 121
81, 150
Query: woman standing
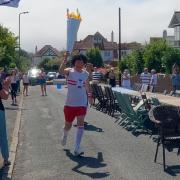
25, 84
112, 78
126, 83
14, 87
42, 82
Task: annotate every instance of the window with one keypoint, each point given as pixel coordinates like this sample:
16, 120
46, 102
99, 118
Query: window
177, 33
107, 53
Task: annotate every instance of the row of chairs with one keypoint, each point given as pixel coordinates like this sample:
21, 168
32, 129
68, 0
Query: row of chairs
106, 100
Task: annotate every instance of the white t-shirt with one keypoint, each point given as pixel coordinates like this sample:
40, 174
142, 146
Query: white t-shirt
77, 95
13, 80
25, 79
126, 82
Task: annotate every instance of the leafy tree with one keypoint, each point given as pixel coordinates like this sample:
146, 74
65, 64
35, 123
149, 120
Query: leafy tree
8, 43
171, 56
153, 54
94, 57
49, 64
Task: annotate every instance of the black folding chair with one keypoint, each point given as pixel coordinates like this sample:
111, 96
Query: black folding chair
167, 119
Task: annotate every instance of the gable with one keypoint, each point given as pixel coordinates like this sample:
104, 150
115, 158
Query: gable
49, 52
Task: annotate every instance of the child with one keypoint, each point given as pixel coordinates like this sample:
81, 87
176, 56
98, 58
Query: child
26, 84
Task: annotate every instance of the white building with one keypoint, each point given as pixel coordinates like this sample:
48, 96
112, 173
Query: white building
175, 23
46, 52
107, 48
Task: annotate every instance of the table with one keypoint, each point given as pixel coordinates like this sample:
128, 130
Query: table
170, 100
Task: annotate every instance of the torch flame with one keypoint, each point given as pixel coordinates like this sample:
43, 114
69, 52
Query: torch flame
73, 15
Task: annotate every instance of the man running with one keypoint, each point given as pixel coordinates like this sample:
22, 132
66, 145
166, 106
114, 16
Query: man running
77, 98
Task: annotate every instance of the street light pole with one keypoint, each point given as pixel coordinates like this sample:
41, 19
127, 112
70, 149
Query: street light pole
20, 31
119, 47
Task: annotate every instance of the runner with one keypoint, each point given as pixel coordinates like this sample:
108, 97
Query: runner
77, 98
42, 82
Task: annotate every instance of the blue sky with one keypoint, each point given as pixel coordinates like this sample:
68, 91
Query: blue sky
46, 22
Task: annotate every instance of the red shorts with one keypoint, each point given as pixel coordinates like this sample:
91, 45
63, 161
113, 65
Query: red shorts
71, 112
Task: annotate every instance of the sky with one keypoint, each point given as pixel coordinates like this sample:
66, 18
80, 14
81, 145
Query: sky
46, 21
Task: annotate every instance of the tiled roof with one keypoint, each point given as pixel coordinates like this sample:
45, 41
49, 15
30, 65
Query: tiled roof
42, 51
175, 20
88, 43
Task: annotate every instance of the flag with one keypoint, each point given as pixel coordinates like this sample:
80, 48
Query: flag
10, 3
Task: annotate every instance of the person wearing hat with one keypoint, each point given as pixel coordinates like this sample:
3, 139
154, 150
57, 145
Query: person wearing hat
78, 95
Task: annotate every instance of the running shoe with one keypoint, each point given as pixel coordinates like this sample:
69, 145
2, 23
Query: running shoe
78, 152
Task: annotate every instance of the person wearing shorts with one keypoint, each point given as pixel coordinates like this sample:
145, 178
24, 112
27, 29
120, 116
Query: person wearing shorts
77, 98
25, 84
42, 82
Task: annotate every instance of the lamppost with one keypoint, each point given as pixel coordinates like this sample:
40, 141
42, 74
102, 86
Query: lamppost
25, 12
119, 48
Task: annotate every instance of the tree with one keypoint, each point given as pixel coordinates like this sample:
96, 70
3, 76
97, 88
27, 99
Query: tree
153, 54
8, 43
171, 56
94, 57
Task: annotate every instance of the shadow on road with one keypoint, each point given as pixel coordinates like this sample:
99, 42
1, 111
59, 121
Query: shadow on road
90, 162
173, 170
90, 127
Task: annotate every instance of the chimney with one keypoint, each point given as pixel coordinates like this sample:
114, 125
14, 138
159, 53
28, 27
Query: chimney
36, 49
164, 34
112, 36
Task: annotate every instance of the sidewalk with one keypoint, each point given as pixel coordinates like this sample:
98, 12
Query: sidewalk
11, 113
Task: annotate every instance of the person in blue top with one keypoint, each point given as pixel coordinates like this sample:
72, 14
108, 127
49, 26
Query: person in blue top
176, 77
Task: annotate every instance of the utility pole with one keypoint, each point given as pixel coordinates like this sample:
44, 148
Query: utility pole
119, 47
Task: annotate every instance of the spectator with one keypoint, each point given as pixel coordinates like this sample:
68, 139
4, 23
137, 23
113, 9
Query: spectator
176, 78
112, 78
126, 79
89, 69
96, 76
145, 77
4, 88
153, 81
25, 84
42, 82
14, 87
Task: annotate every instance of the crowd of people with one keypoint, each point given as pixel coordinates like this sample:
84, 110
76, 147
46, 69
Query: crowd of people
78, 78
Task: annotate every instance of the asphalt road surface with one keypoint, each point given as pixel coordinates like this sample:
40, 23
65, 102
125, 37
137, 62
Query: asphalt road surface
111, 152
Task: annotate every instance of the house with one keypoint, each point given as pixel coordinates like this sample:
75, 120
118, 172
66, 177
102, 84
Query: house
175, 23
108, 49
127, 48
46, 52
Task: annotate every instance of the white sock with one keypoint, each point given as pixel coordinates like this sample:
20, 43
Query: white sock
65, 132
79, 134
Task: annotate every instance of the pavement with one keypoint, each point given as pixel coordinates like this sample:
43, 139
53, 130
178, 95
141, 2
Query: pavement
111, 152
11, 113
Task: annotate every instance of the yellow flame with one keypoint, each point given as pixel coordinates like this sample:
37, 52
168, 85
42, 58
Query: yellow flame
73, 15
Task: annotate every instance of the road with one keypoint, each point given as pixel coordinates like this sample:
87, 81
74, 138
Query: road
111, 152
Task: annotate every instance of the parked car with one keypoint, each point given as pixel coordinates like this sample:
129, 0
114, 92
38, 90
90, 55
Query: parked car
33, 75
51, 75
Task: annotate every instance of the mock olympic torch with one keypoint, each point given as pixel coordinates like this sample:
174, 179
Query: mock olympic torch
73, 23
